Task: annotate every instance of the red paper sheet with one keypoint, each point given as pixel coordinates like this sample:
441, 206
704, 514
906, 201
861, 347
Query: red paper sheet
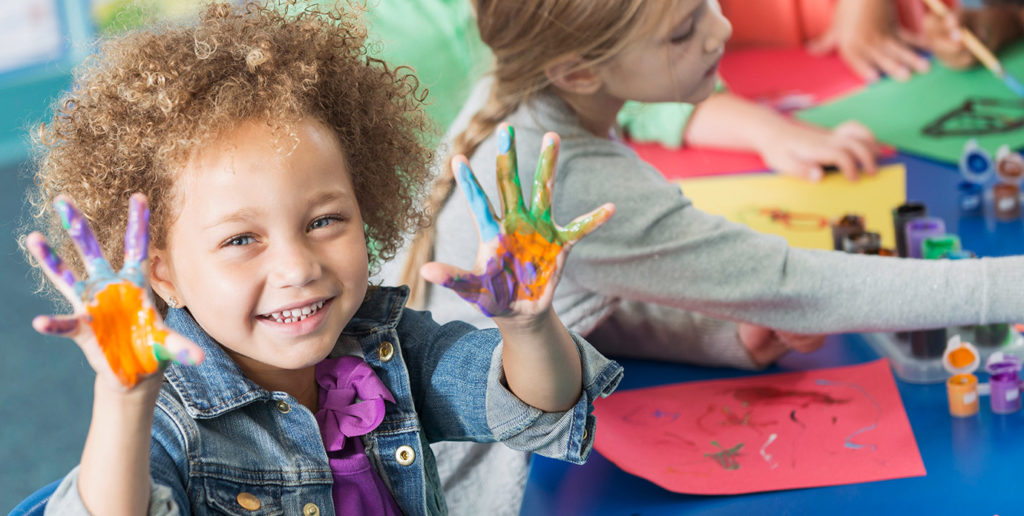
697, 162
762, 433
787, 78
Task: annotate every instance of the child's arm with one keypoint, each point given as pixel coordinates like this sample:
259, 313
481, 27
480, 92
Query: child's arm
126, 343
725, 120
868, 37
518, 265
994, 25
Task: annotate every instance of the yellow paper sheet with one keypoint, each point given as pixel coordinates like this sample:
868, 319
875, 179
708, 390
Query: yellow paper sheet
799, 210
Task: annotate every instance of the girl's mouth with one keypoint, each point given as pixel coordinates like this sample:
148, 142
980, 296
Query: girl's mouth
295, 314
299, 320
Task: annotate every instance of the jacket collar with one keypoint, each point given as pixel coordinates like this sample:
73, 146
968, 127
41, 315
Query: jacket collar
218, 385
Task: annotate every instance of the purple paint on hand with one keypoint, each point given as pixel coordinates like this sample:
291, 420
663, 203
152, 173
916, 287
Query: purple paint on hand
78, 228
136, 237
55, 264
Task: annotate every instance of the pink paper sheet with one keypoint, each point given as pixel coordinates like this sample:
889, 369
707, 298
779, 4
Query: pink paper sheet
762, 433
783, 78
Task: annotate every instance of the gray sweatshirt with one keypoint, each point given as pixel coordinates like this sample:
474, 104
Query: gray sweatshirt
638, 285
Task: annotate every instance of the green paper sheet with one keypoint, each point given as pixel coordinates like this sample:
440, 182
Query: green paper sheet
898, 112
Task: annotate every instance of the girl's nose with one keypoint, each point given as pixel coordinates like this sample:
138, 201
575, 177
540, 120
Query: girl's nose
720, 31
294, 266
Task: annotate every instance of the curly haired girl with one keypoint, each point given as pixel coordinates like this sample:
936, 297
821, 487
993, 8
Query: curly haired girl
276, 165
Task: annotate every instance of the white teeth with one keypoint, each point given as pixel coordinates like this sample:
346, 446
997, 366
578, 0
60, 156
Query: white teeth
296, 314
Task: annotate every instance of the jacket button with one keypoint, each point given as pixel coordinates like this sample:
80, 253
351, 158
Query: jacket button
310, 509
585, 434
385, 351
405, 455
248, 501
283, 407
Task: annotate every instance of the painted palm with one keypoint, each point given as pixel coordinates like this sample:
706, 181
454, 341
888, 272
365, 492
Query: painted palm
114, 306
521, 253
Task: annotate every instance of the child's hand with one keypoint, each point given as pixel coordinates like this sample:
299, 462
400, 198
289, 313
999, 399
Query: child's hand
869, 40
995, 26
765, 345
521, 255
804, 151
114, 322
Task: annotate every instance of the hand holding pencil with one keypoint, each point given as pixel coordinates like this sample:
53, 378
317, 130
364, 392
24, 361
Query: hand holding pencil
961, 39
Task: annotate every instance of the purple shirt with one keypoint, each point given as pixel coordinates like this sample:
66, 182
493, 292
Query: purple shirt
352, 404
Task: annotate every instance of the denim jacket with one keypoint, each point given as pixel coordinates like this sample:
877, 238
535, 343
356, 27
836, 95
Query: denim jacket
223, 445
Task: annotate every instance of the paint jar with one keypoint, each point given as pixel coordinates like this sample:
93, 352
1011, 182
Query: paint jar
1004, 381
1006, 201
970, 199
847, 225
961, 359
900, 216
933, 248
920, 229
976, 165
927, 343
991, 335
867, 242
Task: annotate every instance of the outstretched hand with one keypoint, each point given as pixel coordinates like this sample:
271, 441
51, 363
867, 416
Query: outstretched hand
114, 322
521, 255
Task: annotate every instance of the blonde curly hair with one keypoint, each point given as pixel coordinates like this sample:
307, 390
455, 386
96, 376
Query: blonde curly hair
149, 98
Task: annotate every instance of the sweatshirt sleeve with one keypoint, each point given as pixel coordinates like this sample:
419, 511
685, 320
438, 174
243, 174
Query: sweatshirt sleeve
659, 248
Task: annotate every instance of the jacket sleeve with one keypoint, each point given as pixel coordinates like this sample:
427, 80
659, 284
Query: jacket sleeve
167, 494
460, 390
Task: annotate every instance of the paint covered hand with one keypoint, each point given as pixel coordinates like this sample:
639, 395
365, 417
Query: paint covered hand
114, 321
521, 255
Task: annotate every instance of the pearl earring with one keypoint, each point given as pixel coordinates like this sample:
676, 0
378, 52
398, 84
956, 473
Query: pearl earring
172, 302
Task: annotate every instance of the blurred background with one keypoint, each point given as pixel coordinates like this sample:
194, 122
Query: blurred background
45, 384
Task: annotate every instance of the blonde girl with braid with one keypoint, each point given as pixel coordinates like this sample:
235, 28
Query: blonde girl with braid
662, 279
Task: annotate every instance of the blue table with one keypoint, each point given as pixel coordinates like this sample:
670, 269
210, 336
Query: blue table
971, 463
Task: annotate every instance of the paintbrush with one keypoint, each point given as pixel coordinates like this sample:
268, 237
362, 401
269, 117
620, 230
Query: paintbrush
978, 49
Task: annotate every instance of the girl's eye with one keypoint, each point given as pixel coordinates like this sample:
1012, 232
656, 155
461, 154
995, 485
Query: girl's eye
324, 222
681, 36
239, 240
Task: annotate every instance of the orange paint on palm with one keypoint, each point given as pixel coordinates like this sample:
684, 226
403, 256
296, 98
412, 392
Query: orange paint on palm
534, 259
126, 331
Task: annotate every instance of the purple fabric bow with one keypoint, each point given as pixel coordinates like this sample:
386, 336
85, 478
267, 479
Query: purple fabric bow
342, 381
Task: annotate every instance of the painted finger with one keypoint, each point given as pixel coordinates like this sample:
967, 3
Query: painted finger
136, 239
544, 179
492, 292
53, 267
508, 171
58, 325
176, 348
486, 224
81, 234
582, 226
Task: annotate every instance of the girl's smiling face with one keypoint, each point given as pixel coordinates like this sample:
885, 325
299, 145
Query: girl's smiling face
678, 62
267, 251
